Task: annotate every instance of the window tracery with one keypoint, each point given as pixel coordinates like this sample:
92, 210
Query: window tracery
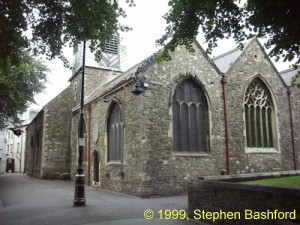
259, 114
190, 118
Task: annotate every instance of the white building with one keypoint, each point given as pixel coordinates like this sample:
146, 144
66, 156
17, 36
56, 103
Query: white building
14, 147
2, 152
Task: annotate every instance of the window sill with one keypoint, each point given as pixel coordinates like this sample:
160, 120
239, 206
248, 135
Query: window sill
115, 164
189, 154
262, 150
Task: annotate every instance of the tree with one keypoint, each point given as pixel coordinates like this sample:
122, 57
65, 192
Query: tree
18, 84
276, 20
54, 24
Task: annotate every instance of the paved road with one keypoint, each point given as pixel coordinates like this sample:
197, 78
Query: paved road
29, 201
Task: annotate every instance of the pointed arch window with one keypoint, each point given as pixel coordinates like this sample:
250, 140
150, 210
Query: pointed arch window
259, 115
190, 118
115, 130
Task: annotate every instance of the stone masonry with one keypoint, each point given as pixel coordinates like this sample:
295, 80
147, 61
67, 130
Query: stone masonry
47, 148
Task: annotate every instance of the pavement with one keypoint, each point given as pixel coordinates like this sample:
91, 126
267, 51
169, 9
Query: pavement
29, 201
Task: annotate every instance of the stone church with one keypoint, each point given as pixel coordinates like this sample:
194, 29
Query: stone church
194, 116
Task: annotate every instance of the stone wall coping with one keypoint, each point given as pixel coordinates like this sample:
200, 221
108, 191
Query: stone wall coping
195, 184
229, 182
249, 176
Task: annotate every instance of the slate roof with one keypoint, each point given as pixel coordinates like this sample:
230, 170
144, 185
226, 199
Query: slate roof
224, 61
287, 75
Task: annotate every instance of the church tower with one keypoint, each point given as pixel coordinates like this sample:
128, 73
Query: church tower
96, 73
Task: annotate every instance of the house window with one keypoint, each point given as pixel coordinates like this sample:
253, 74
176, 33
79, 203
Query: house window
190, 118
18, 147
115, 130
259, 115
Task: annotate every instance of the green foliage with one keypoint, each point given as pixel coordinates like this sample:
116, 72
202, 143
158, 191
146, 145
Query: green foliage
295, 82
54, 24
276, 20
18, 84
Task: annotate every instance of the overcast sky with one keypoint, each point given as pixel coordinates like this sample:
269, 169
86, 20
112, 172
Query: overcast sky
148, 26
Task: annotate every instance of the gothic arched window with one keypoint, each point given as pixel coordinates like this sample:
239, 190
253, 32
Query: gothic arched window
259, 115
115, 131
190, 118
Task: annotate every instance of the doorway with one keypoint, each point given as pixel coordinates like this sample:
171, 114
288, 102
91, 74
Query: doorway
96, 167
10, 165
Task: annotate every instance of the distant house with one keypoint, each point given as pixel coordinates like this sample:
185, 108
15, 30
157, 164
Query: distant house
12, 147
197, 116
2, 152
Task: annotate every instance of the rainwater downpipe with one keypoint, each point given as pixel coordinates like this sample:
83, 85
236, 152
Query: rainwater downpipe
224, 82
89, 144
289, 92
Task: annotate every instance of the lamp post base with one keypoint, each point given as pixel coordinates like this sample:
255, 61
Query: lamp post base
79, 197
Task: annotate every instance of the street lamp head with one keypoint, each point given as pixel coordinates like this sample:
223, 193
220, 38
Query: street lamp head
139, 87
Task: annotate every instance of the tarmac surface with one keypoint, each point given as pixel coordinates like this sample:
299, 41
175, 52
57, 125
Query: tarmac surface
29, 201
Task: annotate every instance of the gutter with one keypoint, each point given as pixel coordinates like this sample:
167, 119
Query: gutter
289, 92
224, 82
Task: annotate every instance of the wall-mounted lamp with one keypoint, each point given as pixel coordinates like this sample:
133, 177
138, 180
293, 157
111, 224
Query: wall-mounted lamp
139, 86
16, 132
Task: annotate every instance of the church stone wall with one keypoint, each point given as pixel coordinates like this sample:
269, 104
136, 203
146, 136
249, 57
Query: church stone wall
253, 62
56, 128
295, 103
93, 79
75, 90
47, 142
127, 177
34, 146
169, 171
96, 77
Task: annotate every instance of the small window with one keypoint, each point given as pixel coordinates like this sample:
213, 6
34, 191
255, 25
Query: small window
259, 116
190, 118
115, 131
18, 147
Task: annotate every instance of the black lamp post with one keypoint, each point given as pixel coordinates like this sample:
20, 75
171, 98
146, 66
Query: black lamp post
79, 196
